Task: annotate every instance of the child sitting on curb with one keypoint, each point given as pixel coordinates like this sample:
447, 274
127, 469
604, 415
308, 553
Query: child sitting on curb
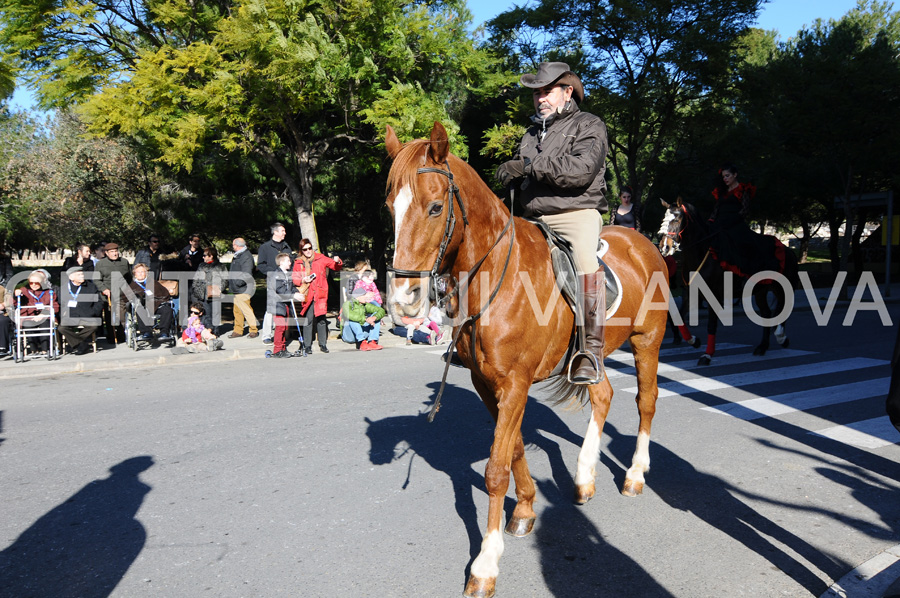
196, 336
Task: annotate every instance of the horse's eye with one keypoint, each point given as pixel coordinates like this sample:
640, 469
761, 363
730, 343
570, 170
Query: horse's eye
435, 208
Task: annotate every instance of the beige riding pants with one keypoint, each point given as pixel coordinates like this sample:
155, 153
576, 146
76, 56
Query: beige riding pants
581, 228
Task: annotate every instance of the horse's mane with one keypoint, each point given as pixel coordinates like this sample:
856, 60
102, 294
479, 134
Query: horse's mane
692, 211
695, 219
411, 157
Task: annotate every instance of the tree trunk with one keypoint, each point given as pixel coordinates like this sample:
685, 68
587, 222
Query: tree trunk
300, 193
858, 264
834, 237
804, 241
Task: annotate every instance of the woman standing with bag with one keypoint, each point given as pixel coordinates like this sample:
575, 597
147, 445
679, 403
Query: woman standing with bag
311, 267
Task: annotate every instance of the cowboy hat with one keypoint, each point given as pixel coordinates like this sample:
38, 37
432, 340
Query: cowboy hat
554, 72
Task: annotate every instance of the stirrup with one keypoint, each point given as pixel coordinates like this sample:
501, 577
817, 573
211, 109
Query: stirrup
597, 368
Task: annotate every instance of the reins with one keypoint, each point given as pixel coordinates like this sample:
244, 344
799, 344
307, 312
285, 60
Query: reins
472, 319
687, 217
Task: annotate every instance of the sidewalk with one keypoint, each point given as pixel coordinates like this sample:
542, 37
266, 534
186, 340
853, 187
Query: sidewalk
111, 357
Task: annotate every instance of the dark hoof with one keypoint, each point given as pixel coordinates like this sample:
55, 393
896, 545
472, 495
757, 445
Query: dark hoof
695, 342
520, 526
480, 588
786, 343
760, 350
676, 340
704, 359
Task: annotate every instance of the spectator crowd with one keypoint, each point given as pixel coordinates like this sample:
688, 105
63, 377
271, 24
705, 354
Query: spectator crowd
177, 300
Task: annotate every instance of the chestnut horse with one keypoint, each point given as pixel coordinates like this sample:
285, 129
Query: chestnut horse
512, 326
683, 229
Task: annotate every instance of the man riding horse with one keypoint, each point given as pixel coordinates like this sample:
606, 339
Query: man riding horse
559, 172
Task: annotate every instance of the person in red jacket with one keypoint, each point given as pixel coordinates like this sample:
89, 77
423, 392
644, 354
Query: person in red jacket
311, 268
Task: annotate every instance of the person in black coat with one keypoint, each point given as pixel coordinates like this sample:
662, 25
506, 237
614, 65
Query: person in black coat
266, 263
192, 255
81, 308
81, 257
240, 279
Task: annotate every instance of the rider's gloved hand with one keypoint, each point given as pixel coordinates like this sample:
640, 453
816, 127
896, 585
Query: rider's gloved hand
512, 170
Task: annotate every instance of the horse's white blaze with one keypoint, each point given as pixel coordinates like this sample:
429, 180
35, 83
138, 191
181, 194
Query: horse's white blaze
587, 458
400, 291
487, 564
670, 247
667, 220
401, 205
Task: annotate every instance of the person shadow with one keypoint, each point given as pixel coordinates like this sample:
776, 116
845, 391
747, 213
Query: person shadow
84, 546
716, 502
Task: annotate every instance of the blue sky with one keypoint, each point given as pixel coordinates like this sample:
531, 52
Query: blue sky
785, 16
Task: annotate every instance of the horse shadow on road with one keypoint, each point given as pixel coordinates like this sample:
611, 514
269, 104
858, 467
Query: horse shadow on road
460, 436
84, 546
576, 560
716, 502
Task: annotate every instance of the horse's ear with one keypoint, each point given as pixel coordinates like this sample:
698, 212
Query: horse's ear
391, 142
440, 145
679, 202
663, 202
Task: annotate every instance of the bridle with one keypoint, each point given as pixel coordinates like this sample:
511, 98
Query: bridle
438, 278
675, 236
676, 240
449, 227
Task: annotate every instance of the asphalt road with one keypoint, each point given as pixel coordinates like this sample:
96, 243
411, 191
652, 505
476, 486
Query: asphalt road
320, 477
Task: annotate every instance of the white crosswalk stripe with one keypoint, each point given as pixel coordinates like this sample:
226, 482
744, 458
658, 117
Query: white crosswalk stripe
686, 378
870, 433
691, 364
704, 384
803, 399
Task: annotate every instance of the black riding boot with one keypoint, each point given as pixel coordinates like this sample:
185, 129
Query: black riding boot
584, 369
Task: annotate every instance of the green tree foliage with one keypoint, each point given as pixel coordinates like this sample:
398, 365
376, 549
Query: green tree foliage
283, 82
828, 107
648, 67
61, 187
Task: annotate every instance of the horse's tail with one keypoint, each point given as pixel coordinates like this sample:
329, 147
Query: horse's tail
574, 396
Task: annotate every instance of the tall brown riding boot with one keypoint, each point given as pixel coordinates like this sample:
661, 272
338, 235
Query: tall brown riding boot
584, 369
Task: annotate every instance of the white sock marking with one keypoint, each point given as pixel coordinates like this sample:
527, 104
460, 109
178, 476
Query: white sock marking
487, 564
590, 451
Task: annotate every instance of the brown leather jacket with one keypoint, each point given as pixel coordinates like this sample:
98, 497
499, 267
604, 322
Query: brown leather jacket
568, 163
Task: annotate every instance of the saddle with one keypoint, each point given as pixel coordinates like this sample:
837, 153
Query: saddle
564, 269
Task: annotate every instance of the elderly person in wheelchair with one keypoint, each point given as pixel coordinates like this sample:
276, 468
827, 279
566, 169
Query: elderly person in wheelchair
139, 295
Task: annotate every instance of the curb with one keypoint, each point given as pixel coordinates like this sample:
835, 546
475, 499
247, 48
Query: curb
121, 357
870, 579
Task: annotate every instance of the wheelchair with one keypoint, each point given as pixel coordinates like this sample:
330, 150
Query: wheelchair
137, 340
34, 328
